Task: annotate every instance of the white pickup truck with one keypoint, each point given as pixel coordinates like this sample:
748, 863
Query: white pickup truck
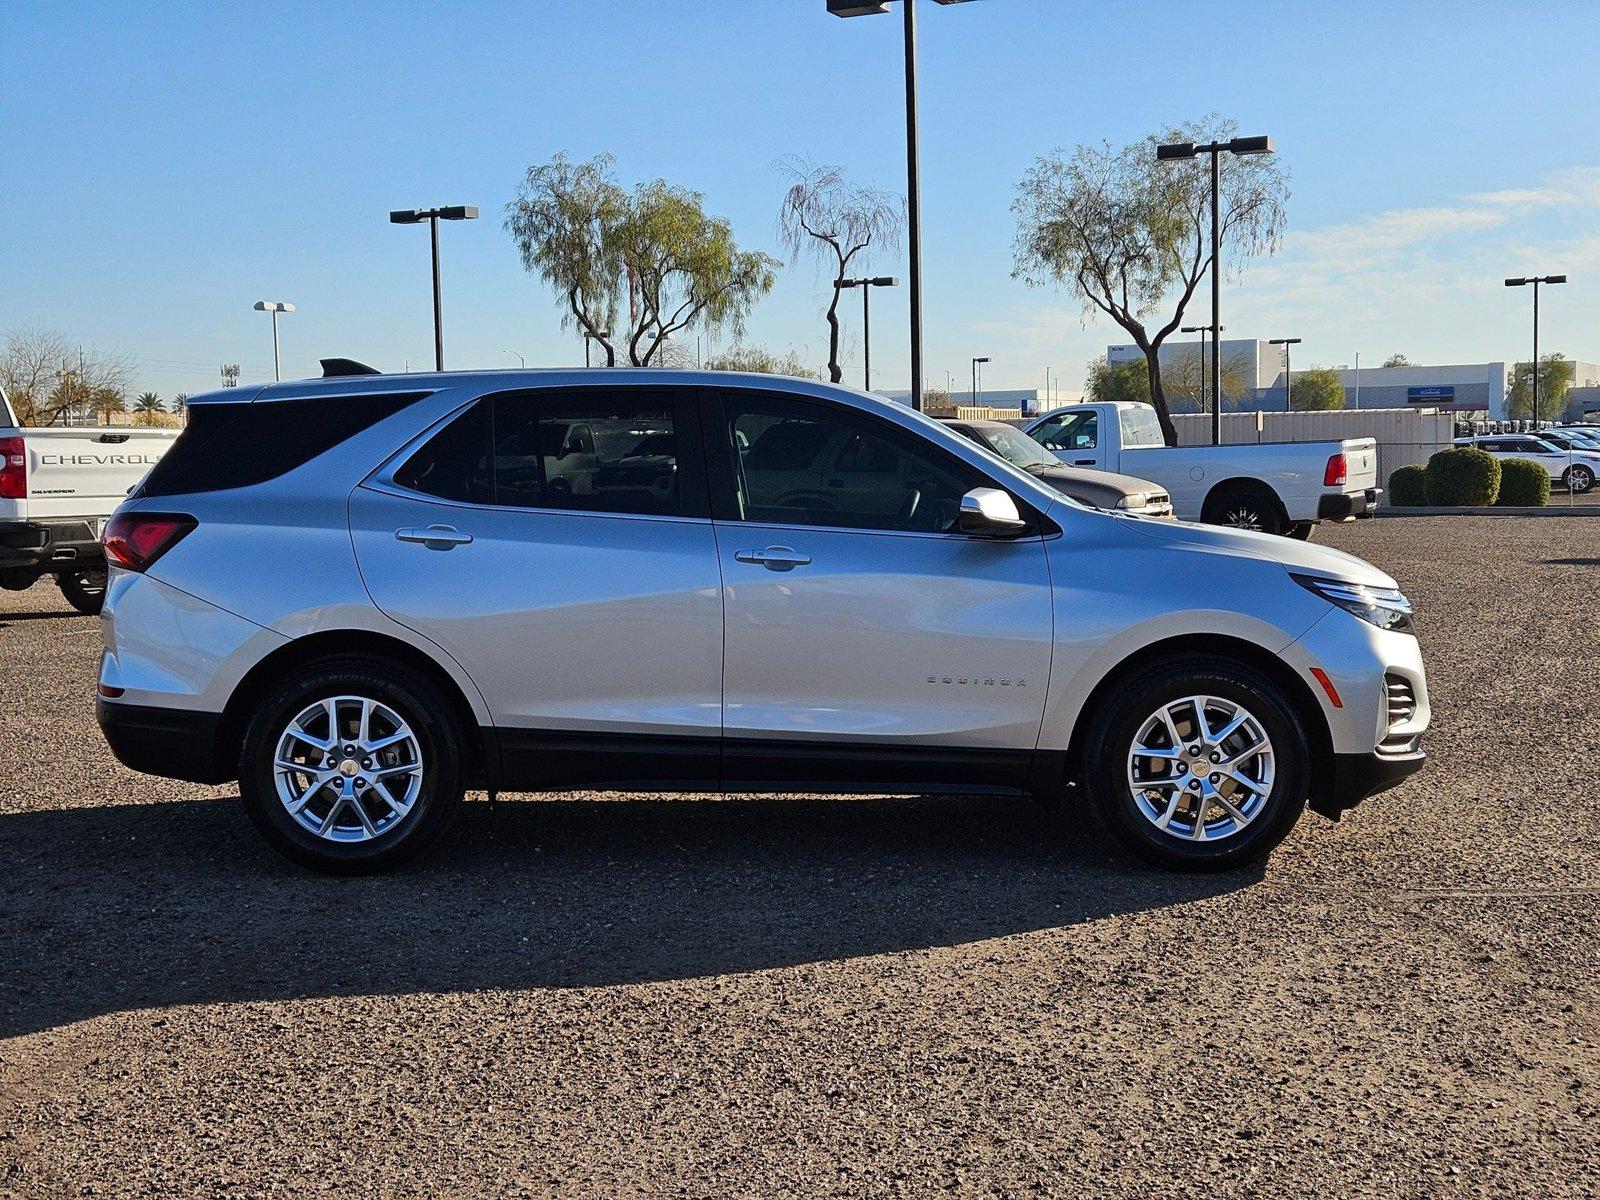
1277, 487
57, 487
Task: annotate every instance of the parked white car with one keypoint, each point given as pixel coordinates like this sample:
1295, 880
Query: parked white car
1275, 487
57, 488
1574, 468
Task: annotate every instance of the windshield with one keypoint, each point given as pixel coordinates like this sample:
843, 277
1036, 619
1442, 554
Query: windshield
1016, 447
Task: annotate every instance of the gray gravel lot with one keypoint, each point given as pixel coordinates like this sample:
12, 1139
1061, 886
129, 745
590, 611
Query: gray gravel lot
593, 996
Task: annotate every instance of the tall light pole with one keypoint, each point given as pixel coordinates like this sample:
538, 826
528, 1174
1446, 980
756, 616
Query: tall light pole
588, 336
1288, 395
521, 362
274, 307
1533, 370
415, 216
1049, 396
975, 363
862, 8
866, 284
1238, 145
1202, 330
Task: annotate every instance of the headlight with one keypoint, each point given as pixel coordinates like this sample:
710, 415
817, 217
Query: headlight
1134, 500
1387, 608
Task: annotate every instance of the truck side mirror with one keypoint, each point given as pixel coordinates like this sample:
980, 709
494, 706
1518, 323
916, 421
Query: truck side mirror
990, 512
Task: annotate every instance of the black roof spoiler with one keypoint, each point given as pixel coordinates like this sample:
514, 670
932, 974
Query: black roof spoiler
333, 368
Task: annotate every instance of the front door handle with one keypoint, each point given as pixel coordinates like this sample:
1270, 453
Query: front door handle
773, 558
434, 537
1083, 462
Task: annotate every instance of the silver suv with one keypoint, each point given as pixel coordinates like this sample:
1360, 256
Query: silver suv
360, 596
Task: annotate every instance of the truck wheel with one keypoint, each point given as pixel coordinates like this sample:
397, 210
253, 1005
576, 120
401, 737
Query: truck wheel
1579, 480
84, 589
1244, 508
1198, 764
1301, 531
351, 767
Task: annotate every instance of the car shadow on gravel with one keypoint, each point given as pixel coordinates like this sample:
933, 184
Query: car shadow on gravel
113, 908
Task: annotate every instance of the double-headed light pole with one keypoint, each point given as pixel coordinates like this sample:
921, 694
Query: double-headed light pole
416, 216
1288, 379
1533, 371
863, 8
975, 364
1202, 330
1240, 145
866, 285
274, 307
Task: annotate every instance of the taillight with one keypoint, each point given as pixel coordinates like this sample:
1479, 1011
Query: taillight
1336, 472
13, 469
134, 540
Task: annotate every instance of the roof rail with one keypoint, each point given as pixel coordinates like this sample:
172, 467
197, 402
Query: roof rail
333, 368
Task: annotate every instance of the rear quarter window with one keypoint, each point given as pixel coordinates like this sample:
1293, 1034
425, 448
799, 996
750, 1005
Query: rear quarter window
238, 445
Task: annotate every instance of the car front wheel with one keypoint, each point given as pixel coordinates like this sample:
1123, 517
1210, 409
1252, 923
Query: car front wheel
351, 767
1201, 764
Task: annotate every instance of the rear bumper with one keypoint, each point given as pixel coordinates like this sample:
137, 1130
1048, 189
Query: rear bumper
44, 543
1357, 776
1348, 505
173, 743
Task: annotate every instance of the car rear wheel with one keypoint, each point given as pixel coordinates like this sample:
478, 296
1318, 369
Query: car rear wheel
1579, 480
1200, 765
84, 589
1244, 508
351, 767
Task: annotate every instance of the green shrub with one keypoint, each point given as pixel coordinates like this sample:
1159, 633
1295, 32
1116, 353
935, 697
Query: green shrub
1408, 487
1463, 475
1524, 483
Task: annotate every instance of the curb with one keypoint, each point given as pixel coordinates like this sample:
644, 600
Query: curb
1564, 510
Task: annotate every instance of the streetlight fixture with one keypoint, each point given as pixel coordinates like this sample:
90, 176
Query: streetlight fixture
274, 307
975, 363
863, 8
416, 216
1288, 395
1241, 146
588, 336
1533, 370
865, 284
521, 362
1202, 330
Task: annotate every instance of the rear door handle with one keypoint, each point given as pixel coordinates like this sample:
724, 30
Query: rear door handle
434, 537
1083, 462
773, 558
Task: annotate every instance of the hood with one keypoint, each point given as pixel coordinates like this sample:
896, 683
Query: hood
1291, 554
1112, 480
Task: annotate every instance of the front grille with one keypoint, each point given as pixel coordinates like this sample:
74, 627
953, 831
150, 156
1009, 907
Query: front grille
1400, 700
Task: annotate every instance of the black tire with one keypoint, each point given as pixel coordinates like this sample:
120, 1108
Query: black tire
85, 589
1302, 531
1110, 739
1579, 480
418, 702
1245, 508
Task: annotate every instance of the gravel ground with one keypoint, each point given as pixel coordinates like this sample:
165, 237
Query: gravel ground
694, 996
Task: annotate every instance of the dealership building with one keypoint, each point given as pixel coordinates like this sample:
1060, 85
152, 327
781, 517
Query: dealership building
1466, 386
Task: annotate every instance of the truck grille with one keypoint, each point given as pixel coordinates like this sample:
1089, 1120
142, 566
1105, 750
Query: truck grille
1401, 704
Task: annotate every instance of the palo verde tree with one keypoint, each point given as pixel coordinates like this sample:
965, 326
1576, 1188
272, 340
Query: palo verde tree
839, 224
593, 242
1131, 236
1555, 376
760, 361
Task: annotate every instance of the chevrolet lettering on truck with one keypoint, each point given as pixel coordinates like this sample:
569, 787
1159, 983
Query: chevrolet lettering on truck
393, 588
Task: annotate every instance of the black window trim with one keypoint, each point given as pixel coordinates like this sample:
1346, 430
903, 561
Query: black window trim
724, 487
686, 408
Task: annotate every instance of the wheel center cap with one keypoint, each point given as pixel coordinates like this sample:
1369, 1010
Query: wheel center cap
349, 767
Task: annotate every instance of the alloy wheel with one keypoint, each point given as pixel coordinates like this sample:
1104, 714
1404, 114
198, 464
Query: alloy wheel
1201, 768
348, 768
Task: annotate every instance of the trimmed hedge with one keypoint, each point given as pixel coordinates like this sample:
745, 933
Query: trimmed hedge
1523, 483
1463, 475
1408, 487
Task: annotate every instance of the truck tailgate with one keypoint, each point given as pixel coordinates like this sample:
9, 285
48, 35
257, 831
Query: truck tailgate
1361, 464
87, 472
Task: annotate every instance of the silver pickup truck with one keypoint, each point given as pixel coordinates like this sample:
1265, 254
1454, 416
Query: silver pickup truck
57, 487
1276, 487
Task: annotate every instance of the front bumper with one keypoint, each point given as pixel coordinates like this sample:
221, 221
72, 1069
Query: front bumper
1348, 506
174, 743
1357, 776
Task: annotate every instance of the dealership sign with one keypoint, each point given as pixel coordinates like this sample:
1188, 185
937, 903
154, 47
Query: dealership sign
1431, 395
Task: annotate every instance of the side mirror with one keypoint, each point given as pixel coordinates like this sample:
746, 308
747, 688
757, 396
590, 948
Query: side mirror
989, 512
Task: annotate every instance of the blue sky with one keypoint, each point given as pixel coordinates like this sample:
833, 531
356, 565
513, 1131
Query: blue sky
166, 165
